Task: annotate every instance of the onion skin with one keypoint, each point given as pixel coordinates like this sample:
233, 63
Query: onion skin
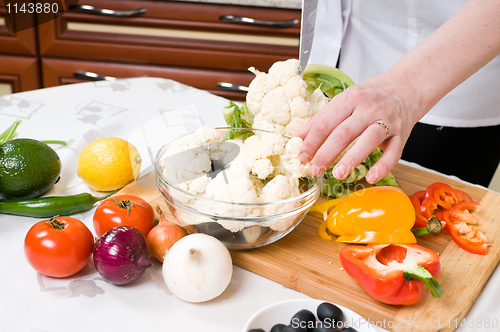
121, 255
198, 268
163, 236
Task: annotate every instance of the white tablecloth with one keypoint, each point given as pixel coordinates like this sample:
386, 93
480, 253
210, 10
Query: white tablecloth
148, 112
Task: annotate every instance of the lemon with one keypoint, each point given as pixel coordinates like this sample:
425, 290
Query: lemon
109, 163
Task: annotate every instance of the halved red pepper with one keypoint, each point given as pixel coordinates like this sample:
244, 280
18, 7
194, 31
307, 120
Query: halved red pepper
459, 221
439, 196
393, 273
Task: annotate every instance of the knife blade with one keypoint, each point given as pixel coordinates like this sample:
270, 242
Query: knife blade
308, 22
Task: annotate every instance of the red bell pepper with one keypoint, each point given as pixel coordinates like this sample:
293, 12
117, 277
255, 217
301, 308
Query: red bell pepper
459, 221
416, 199
393, 273
439, 196
422, 222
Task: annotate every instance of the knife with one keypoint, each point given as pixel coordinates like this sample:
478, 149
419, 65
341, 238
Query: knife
309, 8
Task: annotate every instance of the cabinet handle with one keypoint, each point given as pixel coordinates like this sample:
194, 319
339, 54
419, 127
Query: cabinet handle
232, 87
89, 76
251, 21
108, 12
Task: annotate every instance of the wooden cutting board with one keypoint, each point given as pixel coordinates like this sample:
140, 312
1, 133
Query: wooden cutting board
305, 263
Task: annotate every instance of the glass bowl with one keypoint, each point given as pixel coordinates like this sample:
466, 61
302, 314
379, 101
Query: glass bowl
236, 225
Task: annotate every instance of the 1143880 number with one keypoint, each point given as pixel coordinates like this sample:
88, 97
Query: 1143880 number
31, 8
476, 323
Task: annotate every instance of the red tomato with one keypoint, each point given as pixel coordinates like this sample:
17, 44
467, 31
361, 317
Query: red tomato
58, 247
124, 210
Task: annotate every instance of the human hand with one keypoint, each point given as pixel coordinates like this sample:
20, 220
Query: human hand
381, 111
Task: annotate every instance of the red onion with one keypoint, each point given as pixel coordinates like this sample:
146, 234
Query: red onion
121, 255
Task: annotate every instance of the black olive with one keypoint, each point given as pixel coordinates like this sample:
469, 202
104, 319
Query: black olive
256, 330
349, 329
278, 328
303, 318
331, 314
294, 328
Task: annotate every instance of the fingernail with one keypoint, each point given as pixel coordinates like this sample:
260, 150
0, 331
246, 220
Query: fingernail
314, 170
372, 176
339, 171
304, 157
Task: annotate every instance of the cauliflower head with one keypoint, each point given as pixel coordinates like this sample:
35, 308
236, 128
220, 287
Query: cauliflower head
280, 101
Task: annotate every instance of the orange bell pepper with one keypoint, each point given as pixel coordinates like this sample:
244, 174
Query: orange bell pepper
373, 215
393, 273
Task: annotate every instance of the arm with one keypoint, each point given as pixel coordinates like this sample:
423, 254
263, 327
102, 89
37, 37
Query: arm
398, 98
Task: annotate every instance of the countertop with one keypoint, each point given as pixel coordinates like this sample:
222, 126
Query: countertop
147, 112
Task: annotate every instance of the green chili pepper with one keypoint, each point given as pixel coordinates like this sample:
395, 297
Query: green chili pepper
45, 207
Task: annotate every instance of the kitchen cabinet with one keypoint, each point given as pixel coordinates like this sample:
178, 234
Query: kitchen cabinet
18, 74
62, 71
19, 68
206, 45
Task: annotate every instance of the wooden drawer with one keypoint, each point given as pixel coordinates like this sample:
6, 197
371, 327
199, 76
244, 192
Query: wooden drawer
58, 71
173, 33
18, 74
20, 43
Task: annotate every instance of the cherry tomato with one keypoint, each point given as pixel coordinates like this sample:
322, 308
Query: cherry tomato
58, 247
124, 210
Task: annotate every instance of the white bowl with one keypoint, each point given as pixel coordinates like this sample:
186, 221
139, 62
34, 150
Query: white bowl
282, 312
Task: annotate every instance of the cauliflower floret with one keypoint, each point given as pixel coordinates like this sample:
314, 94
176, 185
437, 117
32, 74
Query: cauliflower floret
230, 186
225, 152
179, 195
208, 134
184, 166
280, 188
289, 163
260, 85
199, 185
201, 136
257, 151
279, 100
275, 107
283, 71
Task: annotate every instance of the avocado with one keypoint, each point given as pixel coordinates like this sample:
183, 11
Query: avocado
28, 168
